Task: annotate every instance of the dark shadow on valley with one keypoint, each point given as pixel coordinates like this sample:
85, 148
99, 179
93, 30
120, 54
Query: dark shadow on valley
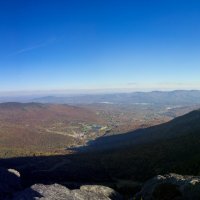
85, 165
99, 162
134, 156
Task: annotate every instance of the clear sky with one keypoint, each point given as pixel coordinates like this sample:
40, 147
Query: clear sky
99, 44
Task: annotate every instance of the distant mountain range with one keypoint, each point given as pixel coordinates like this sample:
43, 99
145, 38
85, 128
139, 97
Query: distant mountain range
178, 97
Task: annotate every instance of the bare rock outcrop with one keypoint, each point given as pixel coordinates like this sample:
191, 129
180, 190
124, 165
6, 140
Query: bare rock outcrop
10, 189
59, 192
171, 187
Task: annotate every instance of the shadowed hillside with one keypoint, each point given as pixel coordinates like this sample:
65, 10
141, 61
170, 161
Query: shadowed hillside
178, 127
171, 147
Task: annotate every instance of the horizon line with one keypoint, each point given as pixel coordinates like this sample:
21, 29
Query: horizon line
87, 91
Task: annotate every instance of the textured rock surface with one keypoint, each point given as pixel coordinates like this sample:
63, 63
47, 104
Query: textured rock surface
9, 182
40, 191
166, 187
171, 187
59, 192
10, 189
98, 189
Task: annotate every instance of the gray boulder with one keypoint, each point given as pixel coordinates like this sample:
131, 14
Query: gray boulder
59, 192
9, 182
97, 192
171, 187
40, 191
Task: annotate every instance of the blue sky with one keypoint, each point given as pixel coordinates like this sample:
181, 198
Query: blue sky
101, 44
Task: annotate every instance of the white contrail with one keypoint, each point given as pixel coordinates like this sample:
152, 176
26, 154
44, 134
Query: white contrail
37, 46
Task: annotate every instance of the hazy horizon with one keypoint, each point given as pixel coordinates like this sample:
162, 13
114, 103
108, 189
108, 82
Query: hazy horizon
63, 93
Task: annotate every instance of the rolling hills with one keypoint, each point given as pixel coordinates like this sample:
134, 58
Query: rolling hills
34, 128
28, 129
132, 158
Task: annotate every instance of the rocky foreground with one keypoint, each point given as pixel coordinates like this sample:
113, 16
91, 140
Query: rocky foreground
11, 189
171, 187
167, 187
